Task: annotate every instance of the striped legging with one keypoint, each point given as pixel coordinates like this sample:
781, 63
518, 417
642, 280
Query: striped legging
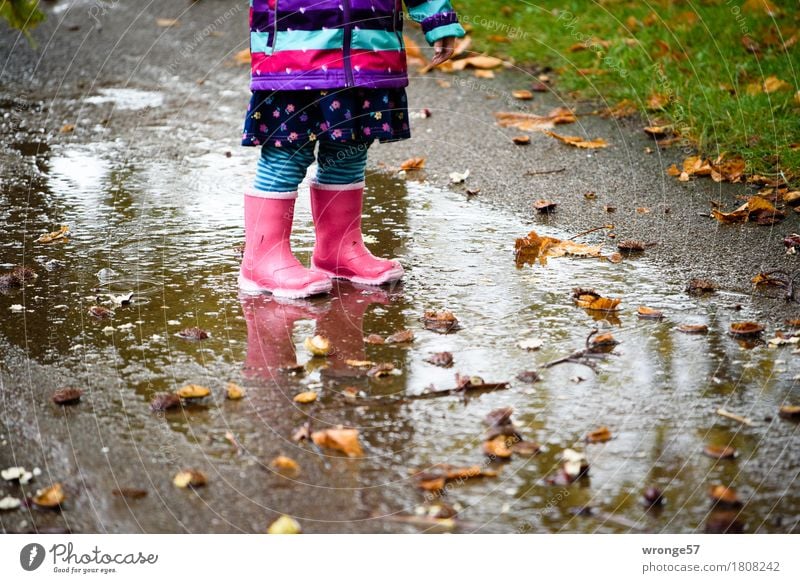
281, 169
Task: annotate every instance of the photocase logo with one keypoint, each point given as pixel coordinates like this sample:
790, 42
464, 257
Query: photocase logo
31, 556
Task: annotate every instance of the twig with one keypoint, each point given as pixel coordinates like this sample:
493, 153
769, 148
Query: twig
735, 417
608, 226
538, 172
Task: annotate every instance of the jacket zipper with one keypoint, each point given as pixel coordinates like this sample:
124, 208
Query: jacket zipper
275, 28
348, 39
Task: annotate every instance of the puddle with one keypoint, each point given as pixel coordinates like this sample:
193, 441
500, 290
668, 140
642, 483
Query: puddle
170, 236
126, 99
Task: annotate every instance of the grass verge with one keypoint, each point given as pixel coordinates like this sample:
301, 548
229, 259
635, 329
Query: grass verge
723, 73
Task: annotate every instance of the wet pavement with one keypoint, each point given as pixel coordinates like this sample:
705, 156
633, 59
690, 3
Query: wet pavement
150, 185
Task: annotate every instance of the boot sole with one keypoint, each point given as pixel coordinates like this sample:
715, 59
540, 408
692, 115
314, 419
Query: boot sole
312, 289
390, 276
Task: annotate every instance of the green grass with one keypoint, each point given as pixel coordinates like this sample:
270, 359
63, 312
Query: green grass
689, 51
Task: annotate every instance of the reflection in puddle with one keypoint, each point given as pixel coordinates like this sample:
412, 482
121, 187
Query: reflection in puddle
171, 239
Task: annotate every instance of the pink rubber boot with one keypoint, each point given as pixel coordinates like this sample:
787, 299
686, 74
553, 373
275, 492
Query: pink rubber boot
268, 264
340, 251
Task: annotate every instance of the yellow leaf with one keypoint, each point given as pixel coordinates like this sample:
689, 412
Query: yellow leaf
284, 525
531, 122
340, 439
413, 164
305, 397
579, 142
193, 392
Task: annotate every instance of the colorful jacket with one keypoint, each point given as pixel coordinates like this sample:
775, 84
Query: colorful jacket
327, 44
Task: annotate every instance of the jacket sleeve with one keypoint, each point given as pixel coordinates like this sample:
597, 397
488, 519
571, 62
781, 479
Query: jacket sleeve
437, 17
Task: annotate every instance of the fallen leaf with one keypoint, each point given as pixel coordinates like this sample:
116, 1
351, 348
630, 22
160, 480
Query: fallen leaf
434, 478
100, 312
579, 142
285, 525
413, 164
724, 496
545, 206
402, 337
532, 122
285, 464
67, 396
533, 248
305, 397
193, 334
318, 345
720, 452
443, 321
521, 140
167, 22
789, 412
658, 131
497, 448
528, 376
192, 391
531, 343
234, 392
459, 177
522, 94
130, 493
646, 313
359, 363
630, 247
693, 328
700, 286
477, 62
164, 401
339, 439
190, 479
623, 109
381, 370
443, 359
600, 435
591, 300
374, 339
746, 328
657, 101
67, 128
242, 57
602, 343
483, 74
51, 497
528, 448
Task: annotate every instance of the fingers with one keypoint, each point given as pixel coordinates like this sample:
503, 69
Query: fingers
443, 50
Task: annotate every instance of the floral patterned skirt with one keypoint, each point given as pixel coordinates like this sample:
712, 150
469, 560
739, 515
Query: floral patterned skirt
339, 115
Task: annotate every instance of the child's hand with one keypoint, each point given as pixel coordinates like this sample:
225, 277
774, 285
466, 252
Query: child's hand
443, 50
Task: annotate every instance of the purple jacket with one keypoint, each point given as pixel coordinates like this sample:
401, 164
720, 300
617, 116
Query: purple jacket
328, 44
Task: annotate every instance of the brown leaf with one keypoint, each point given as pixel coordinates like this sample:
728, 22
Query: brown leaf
51, 497
477, 62
190, 479
720, 452
591, 300
381, 370
374, 339
443, 359
789, 411
402, 337
700, 286
646, 313
285, 464
528, 448
629, 246
164, 401
100, 312
623, 109
521, 140
658, 131
242, 57
497, 447
435, 477
130, 493
533, 248
545, 206
440, 321
579, 142
532, 122
599, 435
193, 333
413, 164
746, 328
339, 439
67, 396
522, 94
657, 101
602, 343
693, 328
724, 496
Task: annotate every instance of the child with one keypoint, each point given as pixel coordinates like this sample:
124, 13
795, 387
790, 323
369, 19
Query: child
331, 72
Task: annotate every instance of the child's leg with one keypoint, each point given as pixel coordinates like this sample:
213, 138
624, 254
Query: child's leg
268, 263
336, 202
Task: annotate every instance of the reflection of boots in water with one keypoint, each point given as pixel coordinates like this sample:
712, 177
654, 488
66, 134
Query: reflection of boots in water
270, 324
343, 324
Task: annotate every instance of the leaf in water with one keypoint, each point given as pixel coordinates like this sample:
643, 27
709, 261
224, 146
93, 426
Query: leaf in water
591, 300
234, 392
318, 346
100, 312
528, 448
359, 363
51, 497
433, 479
578, 142
164, 401
646, 313
402, 337
381, 370
305, 397
413, 164
190, 479
693, 328
724, 496
498, 447
67, 396
630, 247
285, 525
440, 321
531, 122
789, 412
720, 452
600, 435
746, 328
531, 343
339, 439
443, 359
374, 339
192, 391
602, 343
193, 334
528, 376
